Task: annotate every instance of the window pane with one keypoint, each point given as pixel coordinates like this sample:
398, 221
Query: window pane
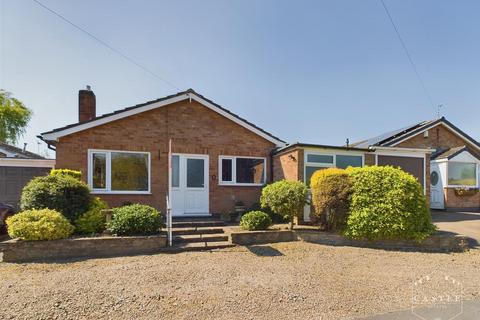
129, 171
309, 171
227, 170
464, 174
348, 161
195, 173
99, 171
250, 170
319, 158
175, 171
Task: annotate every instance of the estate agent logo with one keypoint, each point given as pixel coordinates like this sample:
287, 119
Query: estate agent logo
437, 296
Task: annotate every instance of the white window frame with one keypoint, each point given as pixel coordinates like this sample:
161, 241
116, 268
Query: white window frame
324, 164
477, 174
234, 171
108, 173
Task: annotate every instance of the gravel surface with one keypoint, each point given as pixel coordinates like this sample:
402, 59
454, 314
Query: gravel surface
278, 281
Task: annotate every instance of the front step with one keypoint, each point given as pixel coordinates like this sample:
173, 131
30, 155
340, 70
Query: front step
200, 246
195, 230
200, 238
197, 224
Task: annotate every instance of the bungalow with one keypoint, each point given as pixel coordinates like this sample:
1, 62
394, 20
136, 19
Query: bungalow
217, 158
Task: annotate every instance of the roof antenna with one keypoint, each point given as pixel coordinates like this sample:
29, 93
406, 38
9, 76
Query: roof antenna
440, 106
347, 142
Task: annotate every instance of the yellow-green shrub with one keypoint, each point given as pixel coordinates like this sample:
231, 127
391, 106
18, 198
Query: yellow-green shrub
387, 203
331, 190
92, 221
42, 224
67, 172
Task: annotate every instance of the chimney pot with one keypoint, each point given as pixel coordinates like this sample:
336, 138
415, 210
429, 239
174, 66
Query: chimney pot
86, 105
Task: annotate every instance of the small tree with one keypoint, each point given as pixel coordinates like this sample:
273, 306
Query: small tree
14, 117
285, 198
331, 189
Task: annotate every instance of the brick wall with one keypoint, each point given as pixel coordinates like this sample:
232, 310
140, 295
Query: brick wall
452, 201
193, 129
288, 165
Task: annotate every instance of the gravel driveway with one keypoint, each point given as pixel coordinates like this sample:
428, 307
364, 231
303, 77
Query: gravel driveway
278, 281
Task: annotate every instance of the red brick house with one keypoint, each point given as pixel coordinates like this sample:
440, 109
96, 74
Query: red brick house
218, 158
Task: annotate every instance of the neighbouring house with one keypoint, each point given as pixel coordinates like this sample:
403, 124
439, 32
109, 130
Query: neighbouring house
17, 167
454, 165
218, 158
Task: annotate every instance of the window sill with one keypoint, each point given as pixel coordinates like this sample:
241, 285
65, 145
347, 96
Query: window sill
121, 192
226, 184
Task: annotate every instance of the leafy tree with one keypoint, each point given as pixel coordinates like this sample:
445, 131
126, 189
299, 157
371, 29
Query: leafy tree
14, 117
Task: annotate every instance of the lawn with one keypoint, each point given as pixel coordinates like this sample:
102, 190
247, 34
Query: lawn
278, 281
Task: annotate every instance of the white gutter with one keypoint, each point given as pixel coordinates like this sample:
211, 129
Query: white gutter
429, 150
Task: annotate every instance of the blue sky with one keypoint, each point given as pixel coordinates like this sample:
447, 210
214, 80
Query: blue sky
310, 71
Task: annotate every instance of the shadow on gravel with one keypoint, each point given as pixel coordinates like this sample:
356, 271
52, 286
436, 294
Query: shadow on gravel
264, 251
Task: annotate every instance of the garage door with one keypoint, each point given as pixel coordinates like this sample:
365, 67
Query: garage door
414, 166
13, 179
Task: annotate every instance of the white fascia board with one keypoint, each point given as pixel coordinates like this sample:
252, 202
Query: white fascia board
54, 136
409, 150
434, 125
34, 163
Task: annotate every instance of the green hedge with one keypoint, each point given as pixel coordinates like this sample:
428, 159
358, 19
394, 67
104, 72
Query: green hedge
255, 220
387, 203
42, 224
331, 189
92, 221
135, 219
66, 172
63, 193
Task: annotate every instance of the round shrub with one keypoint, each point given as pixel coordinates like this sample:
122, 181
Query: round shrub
331, 190
92, 221
255, 220
135, 219
42, 224
63, 193
285, 198
387, 203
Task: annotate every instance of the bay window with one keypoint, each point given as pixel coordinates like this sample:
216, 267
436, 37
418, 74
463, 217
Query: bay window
462, 174
242, 170
119, 171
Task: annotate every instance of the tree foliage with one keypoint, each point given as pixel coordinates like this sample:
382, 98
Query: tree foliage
14, 117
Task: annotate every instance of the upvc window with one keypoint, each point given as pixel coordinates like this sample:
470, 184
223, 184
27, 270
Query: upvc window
317, 161
119, 171
242, 170
462, 174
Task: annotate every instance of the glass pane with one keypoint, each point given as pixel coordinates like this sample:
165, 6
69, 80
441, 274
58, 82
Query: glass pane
250, 170
175, 171
195, 173
99, 171
463, 174
434, 178
129, 171
319, 158
348, 161
227, 170
309, 171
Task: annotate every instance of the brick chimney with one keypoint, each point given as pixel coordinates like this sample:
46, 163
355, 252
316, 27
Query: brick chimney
86, 105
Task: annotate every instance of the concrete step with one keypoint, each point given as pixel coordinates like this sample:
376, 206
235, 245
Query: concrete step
197, 223
199, 246
195, 230
200, 238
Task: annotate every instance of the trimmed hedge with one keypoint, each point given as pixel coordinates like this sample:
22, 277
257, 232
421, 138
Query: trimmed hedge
135, 219
63, 193
67, 172
42, 224
331, 189
92, 221
255, 220
387, 203
285, 198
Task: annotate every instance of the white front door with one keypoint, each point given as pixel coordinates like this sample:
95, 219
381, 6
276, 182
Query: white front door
436, 188
189, 190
